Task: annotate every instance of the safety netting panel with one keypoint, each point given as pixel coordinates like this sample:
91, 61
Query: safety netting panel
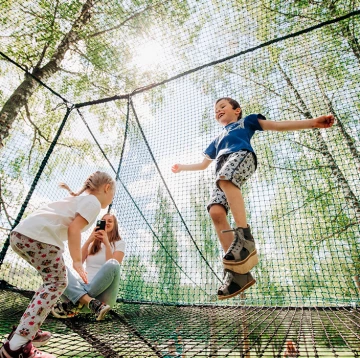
303, 201
32, 175
138, 330
90, 49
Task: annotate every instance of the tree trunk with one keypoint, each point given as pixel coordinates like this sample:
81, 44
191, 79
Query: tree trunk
348, 139
348, 35
26, 89
350, 196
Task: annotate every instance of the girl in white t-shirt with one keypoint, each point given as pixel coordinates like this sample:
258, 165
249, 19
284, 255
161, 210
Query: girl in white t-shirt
39, 240
103, 252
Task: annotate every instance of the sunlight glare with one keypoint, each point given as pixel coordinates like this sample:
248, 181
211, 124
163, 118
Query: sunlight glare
148, 55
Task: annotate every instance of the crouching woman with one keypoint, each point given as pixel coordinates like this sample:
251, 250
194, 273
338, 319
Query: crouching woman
103, 253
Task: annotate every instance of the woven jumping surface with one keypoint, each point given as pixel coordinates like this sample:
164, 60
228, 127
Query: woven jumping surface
140, 330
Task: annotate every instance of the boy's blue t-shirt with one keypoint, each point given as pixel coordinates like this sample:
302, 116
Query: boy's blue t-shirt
235, 137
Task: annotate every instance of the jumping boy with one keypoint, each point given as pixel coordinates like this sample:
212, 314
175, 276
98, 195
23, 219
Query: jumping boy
235, 163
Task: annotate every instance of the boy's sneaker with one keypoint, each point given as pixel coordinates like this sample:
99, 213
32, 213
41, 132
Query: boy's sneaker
25, 351
65, 310
234, 284
40, 339
241, 256
100, 309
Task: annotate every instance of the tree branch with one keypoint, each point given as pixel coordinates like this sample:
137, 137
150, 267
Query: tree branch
2, 202
337, 233
291, 15
299, 169
38, 131
123, 23
305, 204
47, 44
27, 87
307, 146
32, 147
70, 72
266, 88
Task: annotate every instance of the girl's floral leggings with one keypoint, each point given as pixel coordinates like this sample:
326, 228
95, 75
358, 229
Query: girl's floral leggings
48, 261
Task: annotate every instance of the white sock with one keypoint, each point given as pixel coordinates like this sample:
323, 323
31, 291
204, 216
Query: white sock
17, 341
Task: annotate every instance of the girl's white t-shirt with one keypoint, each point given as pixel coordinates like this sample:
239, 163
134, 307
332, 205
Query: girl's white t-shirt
94, 262
50, 223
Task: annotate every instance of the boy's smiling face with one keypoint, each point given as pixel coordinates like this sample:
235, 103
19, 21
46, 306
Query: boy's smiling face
225, 114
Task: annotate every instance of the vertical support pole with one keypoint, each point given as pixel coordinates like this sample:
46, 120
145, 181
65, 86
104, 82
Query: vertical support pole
122, 149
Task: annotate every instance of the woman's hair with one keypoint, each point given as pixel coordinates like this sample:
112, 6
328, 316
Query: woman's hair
92, 183
113, 236
235, 104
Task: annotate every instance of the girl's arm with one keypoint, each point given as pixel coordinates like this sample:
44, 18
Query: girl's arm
177, 168
85, 247
318, 122
117, 255
74, 242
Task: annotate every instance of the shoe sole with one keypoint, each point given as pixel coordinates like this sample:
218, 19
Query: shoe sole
103, 313
40, 344
243, 266
63, 317
249, 284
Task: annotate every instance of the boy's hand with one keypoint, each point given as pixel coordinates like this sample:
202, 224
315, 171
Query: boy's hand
78, 267
324, 121
176, 168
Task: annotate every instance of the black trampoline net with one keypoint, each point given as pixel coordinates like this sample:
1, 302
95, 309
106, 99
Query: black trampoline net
129, 89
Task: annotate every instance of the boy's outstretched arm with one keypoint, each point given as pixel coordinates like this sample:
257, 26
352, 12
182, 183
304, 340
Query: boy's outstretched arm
177, 168
319, 122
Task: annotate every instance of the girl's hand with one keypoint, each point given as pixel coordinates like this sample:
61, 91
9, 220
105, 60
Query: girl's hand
324, 121
78, 267
102, 236
176, 168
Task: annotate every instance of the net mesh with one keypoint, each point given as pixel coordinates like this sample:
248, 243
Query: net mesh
129, 88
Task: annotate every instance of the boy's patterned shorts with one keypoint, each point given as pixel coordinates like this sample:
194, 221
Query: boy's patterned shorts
235, 167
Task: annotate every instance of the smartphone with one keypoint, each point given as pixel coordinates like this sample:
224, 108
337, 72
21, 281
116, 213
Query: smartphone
100, 225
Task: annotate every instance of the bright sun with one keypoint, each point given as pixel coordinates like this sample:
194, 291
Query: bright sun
149, 55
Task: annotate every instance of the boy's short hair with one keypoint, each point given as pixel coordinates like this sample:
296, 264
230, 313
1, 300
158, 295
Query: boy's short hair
235, 104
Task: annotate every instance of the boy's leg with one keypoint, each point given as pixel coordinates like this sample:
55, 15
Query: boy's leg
241, 256
235, 200
219, 218
234, 283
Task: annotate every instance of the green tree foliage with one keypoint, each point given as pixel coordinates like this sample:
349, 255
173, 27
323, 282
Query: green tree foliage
165, 252
303, 201
76, 45
314, 215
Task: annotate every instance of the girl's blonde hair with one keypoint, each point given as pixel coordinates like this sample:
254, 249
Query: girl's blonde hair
113, 236
92, 183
